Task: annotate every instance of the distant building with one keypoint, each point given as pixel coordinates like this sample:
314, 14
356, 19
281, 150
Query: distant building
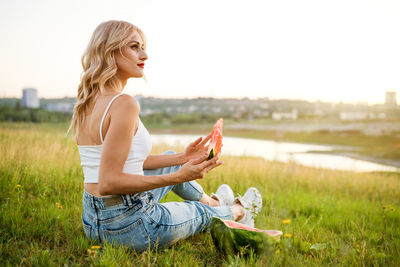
353, 116
261, 113
285, 115
146, 111
192, 108
390, 99
360, 115
60, 107
30, 98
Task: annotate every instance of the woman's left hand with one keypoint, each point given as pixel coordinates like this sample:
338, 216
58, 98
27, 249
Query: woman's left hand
197, 149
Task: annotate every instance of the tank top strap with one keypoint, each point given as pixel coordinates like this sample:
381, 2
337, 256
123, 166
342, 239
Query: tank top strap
104, 115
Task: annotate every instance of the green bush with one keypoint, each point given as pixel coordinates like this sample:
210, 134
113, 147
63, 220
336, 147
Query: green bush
19, 114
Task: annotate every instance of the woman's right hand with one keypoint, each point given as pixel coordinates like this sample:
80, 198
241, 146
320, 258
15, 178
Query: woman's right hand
197, 168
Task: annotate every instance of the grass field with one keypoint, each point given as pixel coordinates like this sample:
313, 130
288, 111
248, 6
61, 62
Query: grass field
350, 218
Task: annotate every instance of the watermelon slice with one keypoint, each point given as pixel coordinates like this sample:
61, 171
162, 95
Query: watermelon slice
231, 237
214, 147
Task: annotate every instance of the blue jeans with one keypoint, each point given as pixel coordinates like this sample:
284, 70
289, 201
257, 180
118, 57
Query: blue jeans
141, 221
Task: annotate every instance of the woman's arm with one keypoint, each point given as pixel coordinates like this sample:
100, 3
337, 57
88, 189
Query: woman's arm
196, 149
119, 183
112, 181
160, 161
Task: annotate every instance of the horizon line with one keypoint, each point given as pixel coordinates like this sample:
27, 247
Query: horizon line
238, 98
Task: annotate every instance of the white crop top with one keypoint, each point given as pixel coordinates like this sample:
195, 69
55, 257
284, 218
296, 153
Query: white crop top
140, 148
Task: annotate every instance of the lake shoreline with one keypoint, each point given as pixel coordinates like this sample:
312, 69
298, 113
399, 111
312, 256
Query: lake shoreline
388, 162
338, 149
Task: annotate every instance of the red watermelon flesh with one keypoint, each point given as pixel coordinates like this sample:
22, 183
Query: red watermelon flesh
215, 144
272, 233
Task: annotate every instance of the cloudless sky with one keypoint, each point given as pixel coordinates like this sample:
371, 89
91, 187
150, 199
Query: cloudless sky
342, 50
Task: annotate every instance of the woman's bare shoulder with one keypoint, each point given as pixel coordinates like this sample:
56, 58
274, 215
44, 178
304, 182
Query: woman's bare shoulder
125, 104
124, 116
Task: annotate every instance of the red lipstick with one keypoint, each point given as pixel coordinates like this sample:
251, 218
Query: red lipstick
141, 65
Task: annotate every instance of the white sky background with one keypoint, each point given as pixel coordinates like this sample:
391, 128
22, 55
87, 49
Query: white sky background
342, 50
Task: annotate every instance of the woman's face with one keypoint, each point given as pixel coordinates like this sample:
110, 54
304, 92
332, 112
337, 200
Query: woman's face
132, 64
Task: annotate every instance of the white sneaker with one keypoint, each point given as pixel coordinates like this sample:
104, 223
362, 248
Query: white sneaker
224, 195
252, 203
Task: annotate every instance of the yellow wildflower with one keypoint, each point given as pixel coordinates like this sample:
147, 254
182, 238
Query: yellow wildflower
95, 247
91, 252
357, 245
277, 251
287, 221
18, 186
287, 235
389, 207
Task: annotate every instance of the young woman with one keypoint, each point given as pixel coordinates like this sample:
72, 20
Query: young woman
123, 183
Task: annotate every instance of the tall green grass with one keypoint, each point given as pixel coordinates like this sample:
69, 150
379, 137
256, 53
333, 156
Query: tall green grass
350, 218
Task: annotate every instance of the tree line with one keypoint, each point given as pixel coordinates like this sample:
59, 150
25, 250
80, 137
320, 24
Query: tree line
23, 114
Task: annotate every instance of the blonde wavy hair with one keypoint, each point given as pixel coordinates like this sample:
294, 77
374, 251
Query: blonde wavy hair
99, 66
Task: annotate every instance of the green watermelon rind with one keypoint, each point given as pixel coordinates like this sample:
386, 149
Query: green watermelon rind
232, 241
211, 154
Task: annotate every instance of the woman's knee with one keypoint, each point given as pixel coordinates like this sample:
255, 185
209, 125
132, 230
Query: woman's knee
189, 190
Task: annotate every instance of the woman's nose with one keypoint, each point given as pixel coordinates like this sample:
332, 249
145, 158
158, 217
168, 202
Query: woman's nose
143, 56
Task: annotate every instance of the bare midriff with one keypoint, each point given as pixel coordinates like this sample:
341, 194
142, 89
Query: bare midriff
93, 190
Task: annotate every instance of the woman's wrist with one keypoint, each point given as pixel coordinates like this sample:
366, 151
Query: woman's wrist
177, 177
182, 158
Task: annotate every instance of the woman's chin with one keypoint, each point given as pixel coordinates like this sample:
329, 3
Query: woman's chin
137, 75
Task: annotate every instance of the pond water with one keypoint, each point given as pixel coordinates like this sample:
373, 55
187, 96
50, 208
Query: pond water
281, 151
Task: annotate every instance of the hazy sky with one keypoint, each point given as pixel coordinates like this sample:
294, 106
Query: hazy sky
342, 50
